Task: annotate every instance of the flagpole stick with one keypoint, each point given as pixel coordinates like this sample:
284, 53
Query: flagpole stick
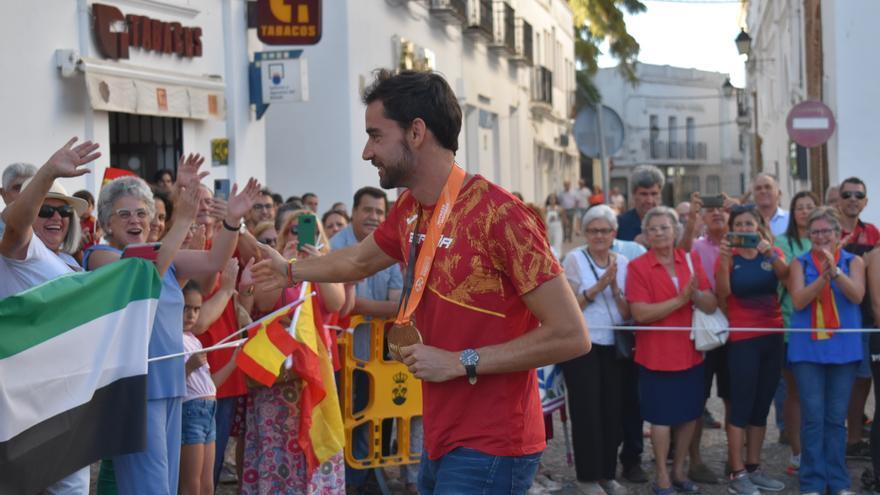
200, 351
267, 317
288, 363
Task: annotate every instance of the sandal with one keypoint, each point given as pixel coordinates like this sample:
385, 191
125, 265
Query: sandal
686, 486
662, 491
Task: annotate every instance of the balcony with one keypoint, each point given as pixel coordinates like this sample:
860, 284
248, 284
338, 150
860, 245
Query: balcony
679, 152
450, 11
480, 20
505, 28
523, 42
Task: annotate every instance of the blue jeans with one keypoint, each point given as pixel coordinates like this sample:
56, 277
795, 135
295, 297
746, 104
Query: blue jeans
824, 396
470, 472
223, 419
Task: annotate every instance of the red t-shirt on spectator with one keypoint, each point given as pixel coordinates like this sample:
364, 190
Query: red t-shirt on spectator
491, 253
647, 281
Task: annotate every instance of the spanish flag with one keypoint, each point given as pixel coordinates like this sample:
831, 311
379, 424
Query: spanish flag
263, 355
111, 173
321, 434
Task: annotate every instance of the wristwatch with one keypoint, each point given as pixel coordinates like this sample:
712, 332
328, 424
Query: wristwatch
837, 272
469, 358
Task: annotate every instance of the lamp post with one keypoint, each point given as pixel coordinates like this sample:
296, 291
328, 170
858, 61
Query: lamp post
743, 42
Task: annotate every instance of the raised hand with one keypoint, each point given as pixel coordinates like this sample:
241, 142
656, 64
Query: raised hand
696, 206
188, 170
240, 203
763, 246
186, 204
229, 274
271, 272
68, 160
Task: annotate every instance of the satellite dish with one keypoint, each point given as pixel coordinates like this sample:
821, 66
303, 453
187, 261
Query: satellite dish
586, 131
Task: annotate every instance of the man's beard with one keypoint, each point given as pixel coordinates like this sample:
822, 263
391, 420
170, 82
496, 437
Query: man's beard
398, 173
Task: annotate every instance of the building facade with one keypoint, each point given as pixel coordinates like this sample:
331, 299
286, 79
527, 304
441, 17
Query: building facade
147, 79
684, 121
815, 50
510, 62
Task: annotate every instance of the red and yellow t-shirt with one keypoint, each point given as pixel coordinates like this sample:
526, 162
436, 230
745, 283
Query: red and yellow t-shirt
492, 251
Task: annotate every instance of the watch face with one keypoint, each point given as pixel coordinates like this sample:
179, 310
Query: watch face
469, 357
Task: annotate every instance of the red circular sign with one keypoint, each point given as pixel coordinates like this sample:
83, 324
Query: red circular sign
810, 123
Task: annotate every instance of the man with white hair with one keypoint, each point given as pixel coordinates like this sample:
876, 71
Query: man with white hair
765, 191
14, 177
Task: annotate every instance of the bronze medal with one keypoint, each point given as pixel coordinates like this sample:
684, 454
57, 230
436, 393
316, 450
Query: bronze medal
401, 336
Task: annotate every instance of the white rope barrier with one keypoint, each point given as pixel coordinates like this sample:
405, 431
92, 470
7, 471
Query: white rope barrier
227, 345
643, 328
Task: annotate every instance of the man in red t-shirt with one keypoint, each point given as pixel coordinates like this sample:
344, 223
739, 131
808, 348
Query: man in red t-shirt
495, 305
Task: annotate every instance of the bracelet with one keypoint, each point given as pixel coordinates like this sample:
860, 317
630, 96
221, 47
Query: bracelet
230, 227
290, 272
586, 297
249, 292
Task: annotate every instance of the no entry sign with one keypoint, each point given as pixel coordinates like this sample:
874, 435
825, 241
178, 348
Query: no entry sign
810, 123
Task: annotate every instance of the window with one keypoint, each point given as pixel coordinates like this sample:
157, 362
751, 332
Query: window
689, 184
690, 138
713, 185
673, 137
145, 144
654, 133
799, 161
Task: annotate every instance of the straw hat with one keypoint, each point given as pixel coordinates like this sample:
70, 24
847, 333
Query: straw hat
57, 191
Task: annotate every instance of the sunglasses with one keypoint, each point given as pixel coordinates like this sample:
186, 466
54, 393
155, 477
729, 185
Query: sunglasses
294, 230
269, 241
46, 211
851, 194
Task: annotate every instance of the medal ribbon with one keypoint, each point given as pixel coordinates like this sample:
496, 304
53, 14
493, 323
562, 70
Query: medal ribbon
419, 269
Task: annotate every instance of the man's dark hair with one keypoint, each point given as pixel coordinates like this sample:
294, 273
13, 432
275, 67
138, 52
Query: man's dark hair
85, 196
307, 196
372, 192
266, 192
856, 181
410, 95
277, 199
293, 199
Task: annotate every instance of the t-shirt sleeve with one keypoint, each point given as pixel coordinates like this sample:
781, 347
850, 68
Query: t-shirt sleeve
387, 235
572, 273
636, 289
519, 247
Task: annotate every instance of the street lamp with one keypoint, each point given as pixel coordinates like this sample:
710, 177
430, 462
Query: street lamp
727, 88
743, 42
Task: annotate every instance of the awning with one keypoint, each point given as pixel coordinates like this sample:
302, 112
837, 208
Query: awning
120, 87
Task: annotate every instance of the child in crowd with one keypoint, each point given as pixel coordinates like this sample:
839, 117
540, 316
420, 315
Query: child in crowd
200, 404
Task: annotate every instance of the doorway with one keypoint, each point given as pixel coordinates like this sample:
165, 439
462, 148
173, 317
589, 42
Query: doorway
145, 144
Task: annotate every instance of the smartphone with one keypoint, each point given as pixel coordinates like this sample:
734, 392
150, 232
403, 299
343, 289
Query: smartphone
712, 201
746, 240
306, 231
148, 251
221, 189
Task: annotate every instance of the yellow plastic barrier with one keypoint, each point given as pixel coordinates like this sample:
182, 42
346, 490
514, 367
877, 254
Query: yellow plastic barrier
394, 393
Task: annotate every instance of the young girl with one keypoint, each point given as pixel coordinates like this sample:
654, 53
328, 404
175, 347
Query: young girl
200, 404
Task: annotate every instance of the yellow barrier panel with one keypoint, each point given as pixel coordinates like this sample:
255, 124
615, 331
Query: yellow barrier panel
394, 394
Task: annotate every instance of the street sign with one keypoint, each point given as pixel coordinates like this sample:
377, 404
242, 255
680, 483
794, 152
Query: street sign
283, 76
810, 123
289, 22
586, 131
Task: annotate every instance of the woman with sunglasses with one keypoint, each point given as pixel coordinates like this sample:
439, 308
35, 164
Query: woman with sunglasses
42, 230
826, 284
265, 233
125, 210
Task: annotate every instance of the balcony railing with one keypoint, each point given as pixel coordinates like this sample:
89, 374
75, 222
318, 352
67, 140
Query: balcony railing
505, 27
542, 85
523, 41
480, 18
662, 150
450, 10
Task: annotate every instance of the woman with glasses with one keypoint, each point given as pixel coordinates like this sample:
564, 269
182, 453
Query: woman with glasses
265, 233
597, 277
662, 290
125, 210
42, 231
747, 280
795, 242
826, 284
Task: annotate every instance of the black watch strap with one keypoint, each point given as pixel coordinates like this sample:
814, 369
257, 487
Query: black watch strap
471, 370
230, 227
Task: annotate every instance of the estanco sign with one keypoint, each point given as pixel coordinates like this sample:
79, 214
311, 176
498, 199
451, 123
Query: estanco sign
289, 22
115, 33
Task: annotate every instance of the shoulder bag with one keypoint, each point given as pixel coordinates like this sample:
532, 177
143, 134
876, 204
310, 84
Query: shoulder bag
710, 331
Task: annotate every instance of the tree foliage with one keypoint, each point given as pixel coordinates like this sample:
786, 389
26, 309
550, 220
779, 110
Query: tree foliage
596, 21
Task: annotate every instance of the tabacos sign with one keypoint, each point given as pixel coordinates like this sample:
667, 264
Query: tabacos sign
116, 33
289, 22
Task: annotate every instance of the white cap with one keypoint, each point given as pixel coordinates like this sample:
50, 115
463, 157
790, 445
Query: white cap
57, 191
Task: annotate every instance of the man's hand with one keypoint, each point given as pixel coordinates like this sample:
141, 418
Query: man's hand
188, 170
696, 207
431, 364
68, 160
271, 272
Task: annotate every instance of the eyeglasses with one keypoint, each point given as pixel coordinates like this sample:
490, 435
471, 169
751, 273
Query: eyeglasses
269, 241
852, 194
125, 214
822, 232
46, 211
262, 206
599, 231
294, 230
659, 229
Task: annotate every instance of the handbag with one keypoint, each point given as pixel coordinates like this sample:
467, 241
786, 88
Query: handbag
624, 340
710, 330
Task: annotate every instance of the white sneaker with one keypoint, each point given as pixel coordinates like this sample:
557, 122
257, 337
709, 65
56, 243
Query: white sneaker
537, 489
593, 488
612, 487
548, 484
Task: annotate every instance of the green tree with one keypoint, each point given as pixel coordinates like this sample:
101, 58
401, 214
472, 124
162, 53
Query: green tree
596, 21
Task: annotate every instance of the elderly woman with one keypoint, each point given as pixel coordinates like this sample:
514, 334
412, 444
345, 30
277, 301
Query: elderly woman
826, 284
42, 230
597, 277
125, 210
662, 291
747, 282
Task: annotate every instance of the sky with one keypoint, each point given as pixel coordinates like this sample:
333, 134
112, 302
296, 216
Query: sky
687, 34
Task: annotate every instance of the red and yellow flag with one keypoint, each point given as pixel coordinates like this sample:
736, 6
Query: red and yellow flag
321, 434
825, 315
262, 356
111, 173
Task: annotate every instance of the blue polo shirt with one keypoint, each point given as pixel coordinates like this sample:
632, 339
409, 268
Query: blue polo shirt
629, 225
376, 286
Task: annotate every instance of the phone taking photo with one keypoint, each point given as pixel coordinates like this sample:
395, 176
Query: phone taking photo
222, 189
306, 231
744, 240
712, 201
148, 251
